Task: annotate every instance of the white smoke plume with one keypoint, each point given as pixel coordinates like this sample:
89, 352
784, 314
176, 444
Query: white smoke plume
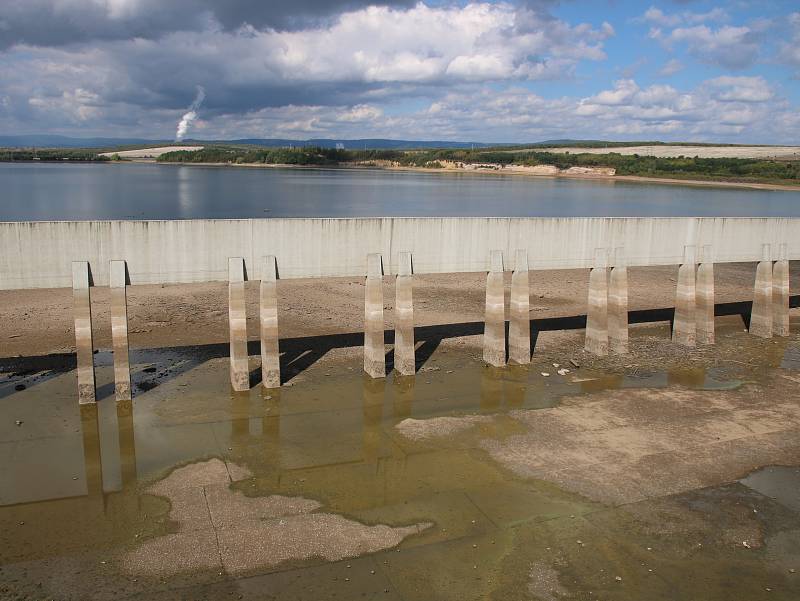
190, 115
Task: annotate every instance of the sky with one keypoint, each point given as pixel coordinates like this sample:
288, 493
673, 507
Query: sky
511, 71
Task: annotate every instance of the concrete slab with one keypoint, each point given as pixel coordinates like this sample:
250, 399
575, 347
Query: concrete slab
519, 334
597, 306
237, 322
494, 329
705, 297
404, 358
374, 347
119, 330
684, 328
780, 294
618, 304
761, 315
82, 307
268, 319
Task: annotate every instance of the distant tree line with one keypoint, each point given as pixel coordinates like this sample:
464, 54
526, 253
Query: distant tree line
646, 166
269, 156
50, 154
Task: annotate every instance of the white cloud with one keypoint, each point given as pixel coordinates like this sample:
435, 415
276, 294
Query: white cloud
473, 67
740, 89
78, 105
476, 42
671, 67
725, 108
659, 18
790, 51
730, 47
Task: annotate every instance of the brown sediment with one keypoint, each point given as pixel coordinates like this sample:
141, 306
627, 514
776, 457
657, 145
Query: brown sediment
38, 322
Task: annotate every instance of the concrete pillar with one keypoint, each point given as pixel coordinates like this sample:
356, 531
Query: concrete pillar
705, 297
618, 304
82, 308
404, 359
237, 320
119, 330
780, 293
684, 330
268, 317
374, 349
597, 309
761, 313
494, 329
519, 333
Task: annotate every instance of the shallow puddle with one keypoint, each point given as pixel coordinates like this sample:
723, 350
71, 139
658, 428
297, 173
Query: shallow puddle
325, 489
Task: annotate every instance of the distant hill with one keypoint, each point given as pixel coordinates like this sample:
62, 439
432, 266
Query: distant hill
48, 141
51, 141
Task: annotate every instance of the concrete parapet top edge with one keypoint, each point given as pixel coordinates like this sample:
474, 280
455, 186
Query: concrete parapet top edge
402, 218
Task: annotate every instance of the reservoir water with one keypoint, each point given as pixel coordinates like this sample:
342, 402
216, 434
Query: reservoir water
47, 191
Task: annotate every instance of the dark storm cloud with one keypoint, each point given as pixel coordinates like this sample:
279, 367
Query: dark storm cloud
60, 22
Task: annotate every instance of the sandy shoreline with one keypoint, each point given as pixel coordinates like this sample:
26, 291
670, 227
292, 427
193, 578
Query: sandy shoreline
599, 178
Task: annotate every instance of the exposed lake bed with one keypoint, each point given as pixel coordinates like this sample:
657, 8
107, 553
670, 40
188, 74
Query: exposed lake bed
636, 483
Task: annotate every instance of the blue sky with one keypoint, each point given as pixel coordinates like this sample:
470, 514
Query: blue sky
512, 71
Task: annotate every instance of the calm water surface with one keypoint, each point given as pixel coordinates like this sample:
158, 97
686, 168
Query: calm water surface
152, 191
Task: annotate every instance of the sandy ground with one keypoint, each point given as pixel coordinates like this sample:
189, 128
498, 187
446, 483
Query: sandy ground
38, 322
148, 153
705, 152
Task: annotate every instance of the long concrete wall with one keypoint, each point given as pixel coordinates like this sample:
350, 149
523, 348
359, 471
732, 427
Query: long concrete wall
39, 254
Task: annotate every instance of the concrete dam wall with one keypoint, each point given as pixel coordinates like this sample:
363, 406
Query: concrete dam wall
119, 253
38, 254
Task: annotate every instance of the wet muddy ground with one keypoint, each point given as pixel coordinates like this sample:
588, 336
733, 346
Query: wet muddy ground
668, 473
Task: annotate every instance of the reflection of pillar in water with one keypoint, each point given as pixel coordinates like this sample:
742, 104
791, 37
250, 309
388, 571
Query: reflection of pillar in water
494, 329
761, 314
691, 378
683, 324
82, 307
127, 443
240, 420
271, 431
403, 401
374, 392
91, 449
515, 393
491, 390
